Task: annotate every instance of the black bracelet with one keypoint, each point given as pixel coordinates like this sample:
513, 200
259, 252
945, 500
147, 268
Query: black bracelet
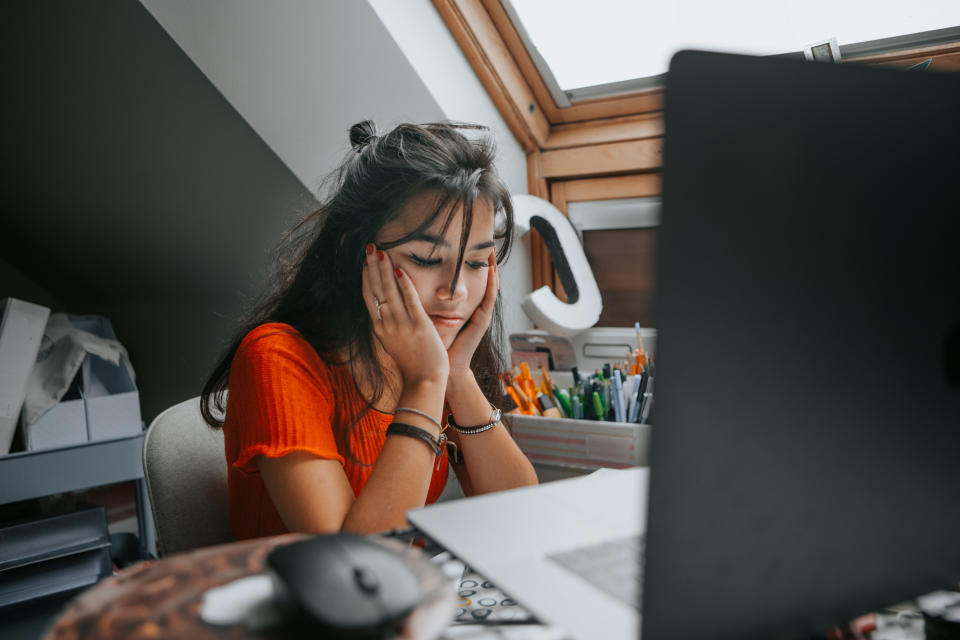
403, 429
480, 428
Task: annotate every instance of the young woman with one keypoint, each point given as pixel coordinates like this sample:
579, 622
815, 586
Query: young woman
374, 364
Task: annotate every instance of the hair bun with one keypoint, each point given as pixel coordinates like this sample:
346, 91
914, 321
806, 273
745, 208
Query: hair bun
362, 133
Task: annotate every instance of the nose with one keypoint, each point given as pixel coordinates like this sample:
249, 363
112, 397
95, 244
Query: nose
459, 291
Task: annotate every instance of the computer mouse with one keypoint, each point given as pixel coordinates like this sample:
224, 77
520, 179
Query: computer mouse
349, 585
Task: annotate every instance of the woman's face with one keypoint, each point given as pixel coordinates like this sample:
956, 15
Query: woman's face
430, 260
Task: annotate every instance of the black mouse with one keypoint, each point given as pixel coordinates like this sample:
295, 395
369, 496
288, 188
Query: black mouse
349, 585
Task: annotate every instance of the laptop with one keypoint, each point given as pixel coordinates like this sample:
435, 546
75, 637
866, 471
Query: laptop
805, 456
521, 540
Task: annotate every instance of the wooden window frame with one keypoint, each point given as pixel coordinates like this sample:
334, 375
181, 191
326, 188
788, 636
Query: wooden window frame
594, 147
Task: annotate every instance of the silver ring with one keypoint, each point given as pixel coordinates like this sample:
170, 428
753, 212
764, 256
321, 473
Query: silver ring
378, 304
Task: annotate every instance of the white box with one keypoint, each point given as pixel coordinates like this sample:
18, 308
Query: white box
63, 425
21, 332
110, 395
109, 406
584, 444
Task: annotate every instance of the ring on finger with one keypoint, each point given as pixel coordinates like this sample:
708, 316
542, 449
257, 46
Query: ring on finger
377, 303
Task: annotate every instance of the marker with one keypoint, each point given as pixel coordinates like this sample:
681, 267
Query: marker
564, 401
597, 406
515, 398
586, 400
526, 371
577, 409
546, 405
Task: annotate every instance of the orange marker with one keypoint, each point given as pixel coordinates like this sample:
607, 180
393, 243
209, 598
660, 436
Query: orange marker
515, 397
526, 371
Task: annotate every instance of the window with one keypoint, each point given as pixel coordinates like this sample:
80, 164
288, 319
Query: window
618, 238
603, 47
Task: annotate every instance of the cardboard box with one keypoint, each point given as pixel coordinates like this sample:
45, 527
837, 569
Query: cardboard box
21, 332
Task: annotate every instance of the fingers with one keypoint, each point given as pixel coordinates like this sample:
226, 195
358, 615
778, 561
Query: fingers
493, 284
391, 302
411, 300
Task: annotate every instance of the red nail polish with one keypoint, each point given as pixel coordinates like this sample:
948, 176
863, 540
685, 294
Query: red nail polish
398, 272
369, 249
380, 254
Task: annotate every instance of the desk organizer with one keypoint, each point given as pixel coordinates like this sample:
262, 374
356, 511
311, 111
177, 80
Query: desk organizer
53, 555
585, 444
106, 407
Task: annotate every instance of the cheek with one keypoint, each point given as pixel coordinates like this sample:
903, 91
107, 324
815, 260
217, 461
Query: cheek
476, 285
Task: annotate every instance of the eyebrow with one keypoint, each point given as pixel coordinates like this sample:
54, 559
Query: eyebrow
440, 242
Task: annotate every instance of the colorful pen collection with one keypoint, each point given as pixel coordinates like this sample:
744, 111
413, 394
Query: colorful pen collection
620, 391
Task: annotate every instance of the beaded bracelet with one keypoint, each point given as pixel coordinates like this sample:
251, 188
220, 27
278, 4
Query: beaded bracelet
403, 429
480, 428
419, 413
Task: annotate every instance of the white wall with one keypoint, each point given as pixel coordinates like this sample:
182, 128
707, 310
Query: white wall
438, 60
301, 72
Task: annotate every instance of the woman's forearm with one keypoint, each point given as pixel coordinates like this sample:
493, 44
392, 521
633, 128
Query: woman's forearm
492, 459
401, 476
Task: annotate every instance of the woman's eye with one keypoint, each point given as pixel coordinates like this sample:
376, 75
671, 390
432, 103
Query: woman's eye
477, 265
424, 262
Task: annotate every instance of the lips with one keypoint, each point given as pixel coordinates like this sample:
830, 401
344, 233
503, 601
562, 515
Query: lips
446, 321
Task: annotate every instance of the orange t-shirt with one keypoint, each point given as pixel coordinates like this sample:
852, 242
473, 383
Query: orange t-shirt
282, 398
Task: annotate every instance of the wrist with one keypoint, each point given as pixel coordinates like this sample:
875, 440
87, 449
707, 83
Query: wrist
460, 378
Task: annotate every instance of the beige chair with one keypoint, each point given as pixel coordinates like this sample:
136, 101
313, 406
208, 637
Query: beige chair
186, 475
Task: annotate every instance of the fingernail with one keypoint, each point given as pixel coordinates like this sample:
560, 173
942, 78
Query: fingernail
369, 249
398, 272
380, 254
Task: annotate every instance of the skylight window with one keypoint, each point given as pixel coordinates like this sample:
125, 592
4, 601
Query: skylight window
585, 43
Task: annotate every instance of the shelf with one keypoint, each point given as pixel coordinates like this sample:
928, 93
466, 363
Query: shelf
34, 474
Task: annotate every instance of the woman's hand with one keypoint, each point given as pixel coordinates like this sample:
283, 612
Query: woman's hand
400, 323
461, 351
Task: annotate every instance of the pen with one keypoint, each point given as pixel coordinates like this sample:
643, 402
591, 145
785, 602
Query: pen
617, 397
586, 400
575, 405
647, 403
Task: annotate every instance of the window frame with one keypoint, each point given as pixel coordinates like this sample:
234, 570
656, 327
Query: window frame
607, 145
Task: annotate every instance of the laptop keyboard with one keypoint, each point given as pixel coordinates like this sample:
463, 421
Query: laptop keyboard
614, 567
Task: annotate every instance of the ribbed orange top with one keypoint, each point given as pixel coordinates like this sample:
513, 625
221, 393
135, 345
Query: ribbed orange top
284, 398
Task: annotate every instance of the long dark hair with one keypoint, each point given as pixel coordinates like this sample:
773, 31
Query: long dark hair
316, 288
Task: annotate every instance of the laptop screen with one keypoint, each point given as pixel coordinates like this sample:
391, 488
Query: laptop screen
806, 456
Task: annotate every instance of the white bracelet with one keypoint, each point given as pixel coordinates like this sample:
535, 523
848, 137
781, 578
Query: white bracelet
419, 413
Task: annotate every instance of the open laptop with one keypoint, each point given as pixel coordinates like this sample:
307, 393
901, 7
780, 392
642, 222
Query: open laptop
805, 456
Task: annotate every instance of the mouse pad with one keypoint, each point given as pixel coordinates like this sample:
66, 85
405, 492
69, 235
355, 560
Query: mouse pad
480, 601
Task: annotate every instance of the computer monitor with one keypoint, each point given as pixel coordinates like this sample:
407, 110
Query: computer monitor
805, 459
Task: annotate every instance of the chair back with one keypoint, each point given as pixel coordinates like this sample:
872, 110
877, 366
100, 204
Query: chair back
186, 476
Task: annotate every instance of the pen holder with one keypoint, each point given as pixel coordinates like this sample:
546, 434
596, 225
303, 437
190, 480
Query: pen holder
583, 444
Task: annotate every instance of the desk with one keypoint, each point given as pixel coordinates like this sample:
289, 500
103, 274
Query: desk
162, 598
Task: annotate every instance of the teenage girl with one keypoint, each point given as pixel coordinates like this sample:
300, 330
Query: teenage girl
374, 362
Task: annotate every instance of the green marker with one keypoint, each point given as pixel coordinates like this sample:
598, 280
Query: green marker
564, 401
598, 406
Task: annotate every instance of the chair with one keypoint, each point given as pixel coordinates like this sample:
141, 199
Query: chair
186, 476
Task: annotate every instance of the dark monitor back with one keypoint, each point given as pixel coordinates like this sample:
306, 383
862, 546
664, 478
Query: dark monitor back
805, 463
